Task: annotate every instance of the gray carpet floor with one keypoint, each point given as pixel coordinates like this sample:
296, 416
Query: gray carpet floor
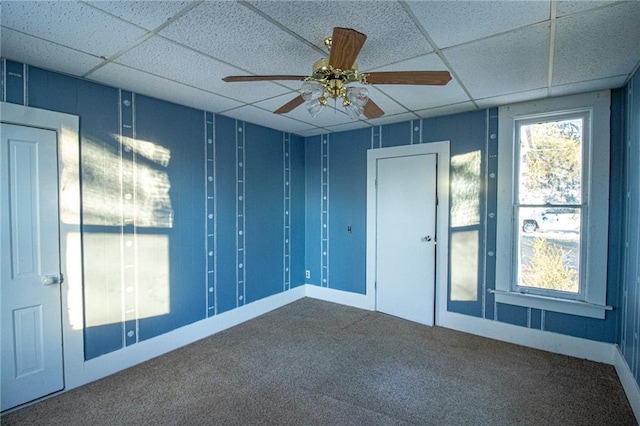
318, 363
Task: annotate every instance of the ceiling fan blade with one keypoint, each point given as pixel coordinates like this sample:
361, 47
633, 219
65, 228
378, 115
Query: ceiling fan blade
290, 106
345, 46
436, 78
372, 110
236, 78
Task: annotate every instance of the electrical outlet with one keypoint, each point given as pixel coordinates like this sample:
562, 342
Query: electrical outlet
307, 274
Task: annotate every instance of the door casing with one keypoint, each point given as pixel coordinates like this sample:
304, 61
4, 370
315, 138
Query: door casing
67, 128
442, 213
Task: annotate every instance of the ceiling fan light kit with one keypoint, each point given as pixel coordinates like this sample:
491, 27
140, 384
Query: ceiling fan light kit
337, 77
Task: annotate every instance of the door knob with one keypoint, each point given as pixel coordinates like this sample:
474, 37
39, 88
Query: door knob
427, 238
49, 280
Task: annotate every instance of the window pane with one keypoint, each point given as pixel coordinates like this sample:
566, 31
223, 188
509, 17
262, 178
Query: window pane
549, 248
550, 169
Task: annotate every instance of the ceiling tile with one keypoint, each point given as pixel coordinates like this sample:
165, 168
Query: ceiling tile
266, 118
390, 119
567, 7
150, 85
312, 132
391, 34
512, 98
40, 53
354, 125
71, 24
235, 34
167, 59
598, 44
506, 63
450, 23
588, 86
147, 14
446, 110
420, 97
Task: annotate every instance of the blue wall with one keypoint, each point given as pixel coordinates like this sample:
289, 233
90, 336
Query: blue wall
185, 214
222, 213
629, 232
336, 259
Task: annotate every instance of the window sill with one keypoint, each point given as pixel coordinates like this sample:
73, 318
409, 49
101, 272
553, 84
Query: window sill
565, 306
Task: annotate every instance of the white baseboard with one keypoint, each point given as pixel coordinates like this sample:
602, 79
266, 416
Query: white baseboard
629, 383
355, 300
537, 339
143, 351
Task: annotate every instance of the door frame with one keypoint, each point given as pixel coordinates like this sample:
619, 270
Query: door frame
67, 129
441, 149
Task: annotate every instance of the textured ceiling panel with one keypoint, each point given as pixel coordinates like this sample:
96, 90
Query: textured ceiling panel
572, 6
147, 84
445, 110
23, 48
147, 14
167, 59
232, 32
267, 119
421, 97
71, 24
511, 98
508, 63
391, 34
450, 23
603, 43
497, 51
588, 86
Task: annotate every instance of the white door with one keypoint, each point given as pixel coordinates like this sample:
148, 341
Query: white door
30, 249
405, 237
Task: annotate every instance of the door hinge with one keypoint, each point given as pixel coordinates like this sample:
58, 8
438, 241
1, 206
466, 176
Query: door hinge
61, 278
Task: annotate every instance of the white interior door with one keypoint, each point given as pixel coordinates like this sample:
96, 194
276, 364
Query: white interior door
405, 237
30, 249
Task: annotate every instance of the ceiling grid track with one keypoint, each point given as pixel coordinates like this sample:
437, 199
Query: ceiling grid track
141, 39
552, 43
437, 51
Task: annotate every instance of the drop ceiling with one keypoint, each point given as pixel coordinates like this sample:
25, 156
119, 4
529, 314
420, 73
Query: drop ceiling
497, 52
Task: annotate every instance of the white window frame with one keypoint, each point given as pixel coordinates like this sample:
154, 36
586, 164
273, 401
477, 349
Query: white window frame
591, 300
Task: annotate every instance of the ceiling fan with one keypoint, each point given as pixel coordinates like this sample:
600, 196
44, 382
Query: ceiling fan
337, 77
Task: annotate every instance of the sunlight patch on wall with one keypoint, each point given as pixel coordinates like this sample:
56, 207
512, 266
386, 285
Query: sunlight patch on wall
73, 280
465, 189
105, 290
105, 197
464, 276
69, 173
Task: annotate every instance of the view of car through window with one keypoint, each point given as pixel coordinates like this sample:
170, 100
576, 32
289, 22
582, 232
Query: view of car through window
549, 209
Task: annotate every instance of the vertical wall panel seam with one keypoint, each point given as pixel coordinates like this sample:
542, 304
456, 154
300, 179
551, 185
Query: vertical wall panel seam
483, 301
215, 213
241, 254
372, 136
210, 216
625, 221
286, 258
244, 230
122, 277
25, 84
324, 210
206, 219
134, 176
3, 79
